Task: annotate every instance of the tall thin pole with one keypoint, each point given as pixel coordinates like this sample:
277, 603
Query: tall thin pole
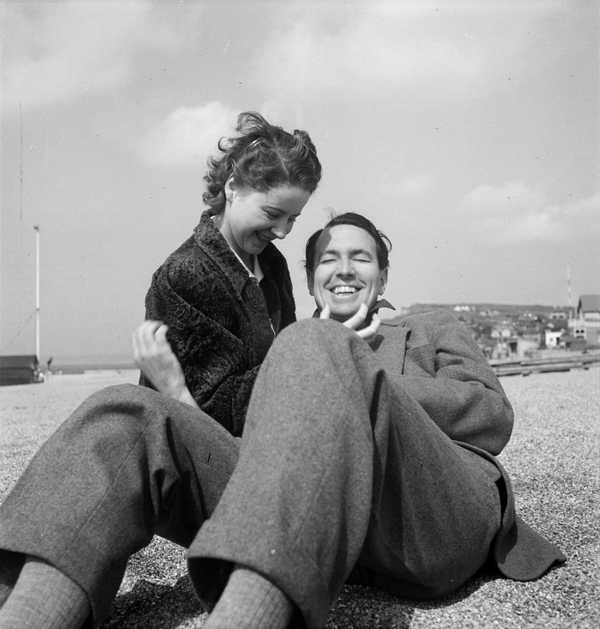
20, 163
569, 295
36, 228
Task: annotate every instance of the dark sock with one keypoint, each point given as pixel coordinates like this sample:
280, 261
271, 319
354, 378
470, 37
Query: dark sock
250, 601
44, 598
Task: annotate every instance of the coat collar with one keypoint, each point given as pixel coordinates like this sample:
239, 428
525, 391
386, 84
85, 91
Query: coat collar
214, 245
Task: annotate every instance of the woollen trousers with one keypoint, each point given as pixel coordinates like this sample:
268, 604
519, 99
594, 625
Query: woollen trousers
338, 468
341, 468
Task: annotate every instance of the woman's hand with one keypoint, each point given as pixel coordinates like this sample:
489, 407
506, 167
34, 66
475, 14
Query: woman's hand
356, 320
154, 356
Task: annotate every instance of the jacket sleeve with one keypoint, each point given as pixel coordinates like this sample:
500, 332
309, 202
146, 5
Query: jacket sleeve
464, 397
214, 360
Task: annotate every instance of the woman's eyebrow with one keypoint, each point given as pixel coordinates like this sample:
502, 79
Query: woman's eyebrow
276, 208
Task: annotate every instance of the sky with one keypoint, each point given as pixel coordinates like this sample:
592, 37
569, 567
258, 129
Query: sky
469, 132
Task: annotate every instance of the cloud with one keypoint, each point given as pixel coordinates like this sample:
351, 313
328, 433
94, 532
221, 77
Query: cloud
361, 58
409, 51
378, 50
410, 188
517, 213
57, 51
188, 135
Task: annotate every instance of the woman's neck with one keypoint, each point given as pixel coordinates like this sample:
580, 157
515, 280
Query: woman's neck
247, 259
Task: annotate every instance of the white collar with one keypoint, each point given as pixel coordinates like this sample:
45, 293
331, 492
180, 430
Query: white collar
257, 273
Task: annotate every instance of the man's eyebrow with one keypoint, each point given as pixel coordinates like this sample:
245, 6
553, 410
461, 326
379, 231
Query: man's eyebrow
353, 252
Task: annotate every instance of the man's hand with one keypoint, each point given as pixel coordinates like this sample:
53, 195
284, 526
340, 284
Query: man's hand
356, 320
154, 356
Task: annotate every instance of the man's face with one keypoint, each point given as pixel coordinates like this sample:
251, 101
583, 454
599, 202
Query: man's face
346, 271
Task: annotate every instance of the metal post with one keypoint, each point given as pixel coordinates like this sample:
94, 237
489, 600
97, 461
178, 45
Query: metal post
36, 228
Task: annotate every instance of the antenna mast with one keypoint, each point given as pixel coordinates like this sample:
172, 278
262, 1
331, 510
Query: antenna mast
36, 228
569, 296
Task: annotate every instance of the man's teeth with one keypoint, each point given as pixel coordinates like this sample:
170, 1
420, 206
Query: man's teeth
344, 290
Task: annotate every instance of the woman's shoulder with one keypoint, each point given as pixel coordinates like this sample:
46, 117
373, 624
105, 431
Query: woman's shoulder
187, 268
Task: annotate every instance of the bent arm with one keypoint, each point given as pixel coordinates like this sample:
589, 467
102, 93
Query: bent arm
157, 362
464, 398
213, 359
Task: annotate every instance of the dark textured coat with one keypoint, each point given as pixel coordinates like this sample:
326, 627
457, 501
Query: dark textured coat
221, 323
439, 364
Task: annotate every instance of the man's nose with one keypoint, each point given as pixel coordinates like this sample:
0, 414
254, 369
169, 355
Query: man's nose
345, 267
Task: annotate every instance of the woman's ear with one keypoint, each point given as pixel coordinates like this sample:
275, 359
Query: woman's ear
229, 188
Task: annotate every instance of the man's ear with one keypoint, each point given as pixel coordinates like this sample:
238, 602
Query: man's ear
310, 283
383, 277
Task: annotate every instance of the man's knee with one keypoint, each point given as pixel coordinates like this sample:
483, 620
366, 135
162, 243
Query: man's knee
124, 396
122, 407
312, 334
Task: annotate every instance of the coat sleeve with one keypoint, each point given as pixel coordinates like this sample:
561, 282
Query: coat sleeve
464, 397
214, 360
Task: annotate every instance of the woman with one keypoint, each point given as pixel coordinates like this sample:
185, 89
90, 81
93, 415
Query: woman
79, 510
226, 291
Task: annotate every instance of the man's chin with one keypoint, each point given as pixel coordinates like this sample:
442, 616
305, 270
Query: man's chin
342, 314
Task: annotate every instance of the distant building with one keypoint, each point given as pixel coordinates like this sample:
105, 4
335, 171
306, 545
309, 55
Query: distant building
586, 323
552, 338
21, 369
558, 316
502, 333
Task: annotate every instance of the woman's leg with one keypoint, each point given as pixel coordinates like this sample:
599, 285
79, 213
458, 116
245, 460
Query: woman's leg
127, 464
319, 464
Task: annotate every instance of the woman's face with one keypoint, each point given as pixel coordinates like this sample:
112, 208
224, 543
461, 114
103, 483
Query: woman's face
252, 219
346, 271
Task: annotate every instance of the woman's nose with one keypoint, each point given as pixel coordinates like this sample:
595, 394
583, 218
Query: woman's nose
282, 228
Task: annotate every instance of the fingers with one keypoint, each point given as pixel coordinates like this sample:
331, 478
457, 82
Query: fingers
160, 335
357, 318
371, 329
148, 339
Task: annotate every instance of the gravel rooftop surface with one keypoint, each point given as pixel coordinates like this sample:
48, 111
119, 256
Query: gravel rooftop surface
554, 462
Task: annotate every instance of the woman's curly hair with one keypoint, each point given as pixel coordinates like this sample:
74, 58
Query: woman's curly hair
261, 157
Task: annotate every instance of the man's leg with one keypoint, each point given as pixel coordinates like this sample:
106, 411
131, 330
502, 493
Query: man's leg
296, 509
315, 471
128, 463
436, 506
